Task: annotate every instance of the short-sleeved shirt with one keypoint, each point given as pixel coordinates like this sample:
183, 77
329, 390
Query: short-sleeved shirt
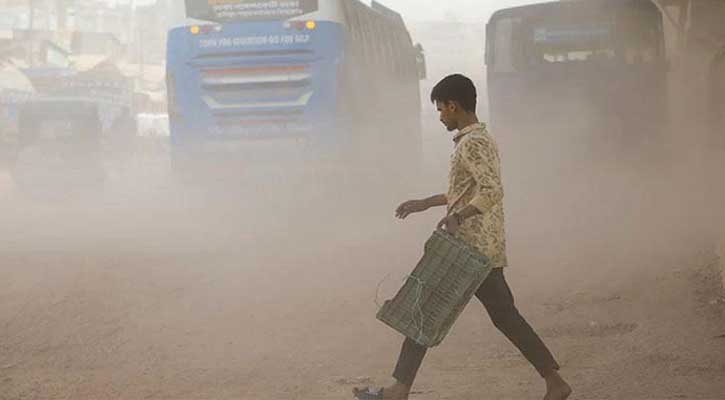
475, 179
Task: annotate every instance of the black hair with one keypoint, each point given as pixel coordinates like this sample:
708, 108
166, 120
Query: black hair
456, 88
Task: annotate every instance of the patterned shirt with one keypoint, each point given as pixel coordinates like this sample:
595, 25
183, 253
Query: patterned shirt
475, 179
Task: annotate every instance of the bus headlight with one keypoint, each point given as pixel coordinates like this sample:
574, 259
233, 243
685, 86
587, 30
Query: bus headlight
311, 25
195, 30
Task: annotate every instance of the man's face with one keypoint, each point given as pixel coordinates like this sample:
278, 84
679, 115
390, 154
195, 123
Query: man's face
448, 111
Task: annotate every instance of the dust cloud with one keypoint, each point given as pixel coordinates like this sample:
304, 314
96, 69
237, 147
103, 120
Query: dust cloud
259, 281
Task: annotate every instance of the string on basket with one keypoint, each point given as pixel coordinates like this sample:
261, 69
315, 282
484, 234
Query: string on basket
417, 307
377, 291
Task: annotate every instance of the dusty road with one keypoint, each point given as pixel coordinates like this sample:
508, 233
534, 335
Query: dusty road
165, 299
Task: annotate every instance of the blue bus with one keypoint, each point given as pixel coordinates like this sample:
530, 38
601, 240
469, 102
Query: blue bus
307, 70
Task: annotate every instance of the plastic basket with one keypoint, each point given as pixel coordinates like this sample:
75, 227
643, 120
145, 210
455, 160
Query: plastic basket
437, 291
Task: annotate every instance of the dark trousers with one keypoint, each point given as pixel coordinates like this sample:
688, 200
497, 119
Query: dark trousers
496, 296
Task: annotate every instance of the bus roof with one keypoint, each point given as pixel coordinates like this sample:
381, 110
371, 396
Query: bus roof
322, 10
330, 10
555, 7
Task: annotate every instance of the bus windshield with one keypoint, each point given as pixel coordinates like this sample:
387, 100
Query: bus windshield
557, 43
248, 10
540, 36
590, 55
629, 41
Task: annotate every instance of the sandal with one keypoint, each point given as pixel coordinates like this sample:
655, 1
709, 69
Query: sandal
368, 393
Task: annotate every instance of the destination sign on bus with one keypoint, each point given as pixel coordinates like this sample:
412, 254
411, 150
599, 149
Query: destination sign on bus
248, 10
261, 40
571, 34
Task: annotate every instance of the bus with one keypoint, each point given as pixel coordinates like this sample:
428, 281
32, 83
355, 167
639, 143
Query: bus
15, 89
601, 62
331, 76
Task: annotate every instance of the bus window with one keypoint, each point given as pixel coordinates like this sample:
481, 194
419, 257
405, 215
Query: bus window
366, 39
563, 44
554, 55
354, 24
373, 42
387, 42
259, 10
584, 52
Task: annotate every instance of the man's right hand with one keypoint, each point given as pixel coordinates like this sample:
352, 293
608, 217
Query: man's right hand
411, 207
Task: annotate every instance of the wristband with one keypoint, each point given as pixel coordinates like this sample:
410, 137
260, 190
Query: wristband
459, 218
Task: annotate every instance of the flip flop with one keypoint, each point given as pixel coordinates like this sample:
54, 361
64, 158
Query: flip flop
368, 393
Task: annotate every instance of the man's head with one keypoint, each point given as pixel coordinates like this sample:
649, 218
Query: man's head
455, 99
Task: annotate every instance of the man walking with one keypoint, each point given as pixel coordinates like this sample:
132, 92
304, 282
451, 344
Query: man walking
475, 215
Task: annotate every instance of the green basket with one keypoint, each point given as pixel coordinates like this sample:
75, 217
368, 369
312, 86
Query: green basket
437, 291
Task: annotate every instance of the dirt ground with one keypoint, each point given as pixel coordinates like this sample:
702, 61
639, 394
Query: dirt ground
161, 297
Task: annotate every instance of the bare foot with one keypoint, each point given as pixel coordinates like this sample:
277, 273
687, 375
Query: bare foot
556, 387
397, 391
561, 393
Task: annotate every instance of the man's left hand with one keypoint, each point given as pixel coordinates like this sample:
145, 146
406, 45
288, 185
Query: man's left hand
450, 224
